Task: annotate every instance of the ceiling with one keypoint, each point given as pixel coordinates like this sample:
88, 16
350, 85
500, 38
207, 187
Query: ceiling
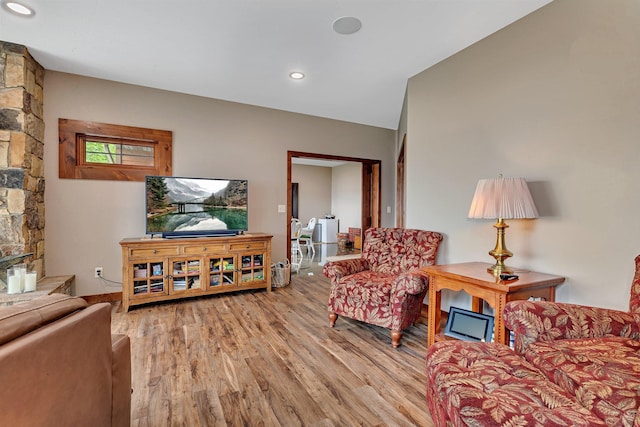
244, 50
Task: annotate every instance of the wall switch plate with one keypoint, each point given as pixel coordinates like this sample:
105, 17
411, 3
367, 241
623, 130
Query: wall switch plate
282, 208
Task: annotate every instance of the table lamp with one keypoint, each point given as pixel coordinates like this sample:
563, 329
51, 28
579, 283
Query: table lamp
502, 198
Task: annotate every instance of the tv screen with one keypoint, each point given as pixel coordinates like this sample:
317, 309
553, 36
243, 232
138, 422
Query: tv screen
182, 207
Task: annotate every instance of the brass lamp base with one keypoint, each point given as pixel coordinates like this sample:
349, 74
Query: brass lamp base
500, 252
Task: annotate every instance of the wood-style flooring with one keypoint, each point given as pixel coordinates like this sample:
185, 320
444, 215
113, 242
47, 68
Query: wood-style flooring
270, 359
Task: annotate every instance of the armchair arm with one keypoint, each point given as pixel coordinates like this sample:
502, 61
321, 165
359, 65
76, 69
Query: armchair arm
533, 321
335, 270
412, 282
408, 291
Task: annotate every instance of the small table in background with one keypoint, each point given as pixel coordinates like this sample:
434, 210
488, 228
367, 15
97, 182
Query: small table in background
45, 286
473, 278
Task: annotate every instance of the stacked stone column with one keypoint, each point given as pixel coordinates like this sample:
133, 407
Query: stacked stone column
21, 155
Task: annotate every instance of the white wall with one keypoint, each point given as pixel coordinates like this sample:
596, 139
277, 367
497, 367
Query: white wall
346, 195
85, 219
554, 98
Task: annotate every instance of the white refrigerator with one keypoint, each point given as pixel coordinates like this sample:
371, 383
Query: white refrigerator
329, 230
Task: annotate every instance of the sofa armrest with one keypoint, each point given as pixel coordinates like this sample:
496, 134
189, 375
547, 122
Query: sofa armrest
121, 380
533, 321
335, 270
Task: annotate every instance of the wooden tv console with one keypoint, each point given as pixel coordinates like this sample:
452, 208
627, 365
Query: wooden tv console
158, 269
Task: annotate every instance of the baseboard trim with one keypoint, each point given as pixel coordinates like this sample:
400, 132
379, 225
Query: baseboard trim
94, 299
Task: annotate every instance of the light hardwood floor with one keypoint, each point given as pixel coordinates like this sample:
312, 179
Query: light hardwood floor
270, 359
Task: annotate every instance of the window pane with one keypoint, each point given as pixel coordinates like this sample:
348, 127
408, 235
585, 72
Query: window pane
101, 152
118, 154
137, 155
137, 161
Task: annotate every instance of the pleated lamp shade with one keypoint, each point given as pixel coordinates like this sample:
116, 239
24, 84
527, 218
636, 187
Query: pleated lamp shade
503, 198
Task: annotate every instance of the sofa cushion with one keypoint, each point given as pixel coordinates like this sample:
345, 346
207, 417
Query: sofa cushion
20, 319
603, 373
477, 384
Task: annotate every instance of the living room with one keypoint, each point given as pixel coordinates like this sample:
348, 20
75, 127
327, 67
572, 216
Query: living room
548, 98
553, 97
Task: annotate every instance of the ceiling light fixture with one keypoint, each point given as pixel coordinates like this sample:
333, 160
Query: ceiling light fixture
347, 25
296, 75
19, 8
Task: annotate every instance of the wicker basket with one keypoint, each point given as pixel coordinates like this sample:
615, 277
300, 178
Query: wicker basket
280, 274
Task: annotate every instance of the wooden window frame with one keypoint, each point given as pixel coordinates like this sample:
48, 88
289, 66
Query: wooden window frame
71, 160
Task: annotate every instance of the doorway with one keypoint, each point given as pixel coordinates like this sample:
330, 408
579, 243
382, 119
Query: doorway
370, 197
400, 185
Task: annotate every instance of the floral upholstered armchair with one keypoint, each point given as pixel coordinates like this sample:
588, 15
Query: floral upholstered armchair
385, 287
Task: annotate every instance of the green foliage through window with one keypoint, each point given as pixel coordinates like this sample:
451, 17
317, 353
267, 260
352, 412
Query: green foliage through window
118, 153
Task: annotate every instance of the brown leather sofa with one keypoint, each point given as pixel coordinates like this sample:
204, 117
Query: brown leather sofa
60, 365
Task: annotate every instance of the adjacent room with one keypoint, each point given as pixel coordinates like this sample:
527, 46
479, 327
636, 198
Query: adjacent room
230, 213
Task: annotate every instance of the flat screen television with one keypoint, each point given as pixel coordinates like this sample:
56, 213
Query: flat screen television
193, 207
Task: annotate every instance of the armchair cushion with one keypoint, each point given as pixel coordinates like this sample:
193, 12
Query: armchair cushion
364, 295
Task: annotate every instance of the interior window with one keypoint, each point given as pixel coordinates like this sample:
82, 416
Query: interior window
90, 150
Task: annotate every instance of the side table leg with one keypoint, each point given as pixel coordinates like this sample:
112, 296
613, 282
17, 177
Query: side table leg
435, 301
500, 331
476, 304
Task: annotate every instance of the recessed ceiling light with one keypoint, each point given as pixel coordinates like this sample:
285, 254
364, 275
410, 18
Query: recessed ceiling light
296, 75
20, 9
347, 25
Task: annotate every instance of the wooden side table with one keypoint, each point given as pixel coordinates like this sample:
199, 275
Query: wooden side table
473, 278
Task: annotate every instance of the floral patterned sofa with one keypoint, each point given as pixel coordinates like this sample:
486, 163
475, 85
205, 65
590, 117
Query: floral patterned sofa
572, 365
385, 287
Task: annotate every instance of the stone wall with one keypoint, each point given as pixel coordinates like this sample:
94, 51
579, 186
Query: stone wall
21, 155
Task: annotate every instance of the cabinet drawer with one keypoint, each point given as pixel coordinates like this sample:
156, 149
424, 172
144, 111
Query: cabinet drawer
146, 252
248, 245
205, 249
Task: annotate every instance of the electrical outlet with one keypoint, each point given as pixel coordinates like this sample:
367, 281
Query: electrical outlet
98, 272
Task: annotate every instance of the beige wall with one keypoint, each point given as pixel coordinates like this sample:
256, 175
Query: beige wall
314, 191
85, 219
554, 98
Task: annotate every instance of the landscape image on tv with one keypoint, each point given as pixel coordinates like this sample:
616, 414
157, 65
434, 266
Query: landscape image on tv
194, 205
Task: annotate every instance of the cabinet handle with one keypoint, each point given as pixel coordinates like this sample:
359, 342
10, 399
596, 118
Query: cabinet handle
248, 245
155, 251
204, 249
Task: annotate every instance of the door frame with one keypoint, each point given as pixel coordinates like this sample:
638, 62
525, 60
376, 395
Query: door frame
400, 185
371, 189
